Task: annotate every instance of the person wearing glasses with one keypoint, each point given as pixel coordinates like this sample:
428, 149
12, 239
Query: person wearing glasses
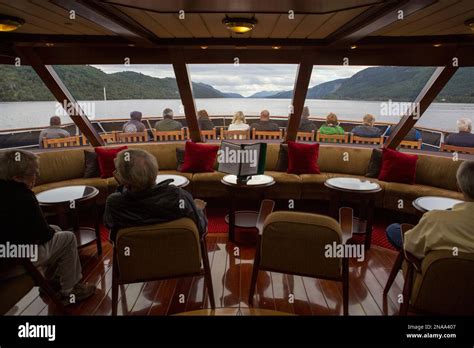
23, 223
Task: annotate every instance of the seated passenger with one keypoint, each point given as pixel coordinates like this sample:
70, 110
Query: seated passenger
140, 201
332, 126
135, 124
306, 125
442, 229
264, 124
167, 124
204, 122
367, 130
238, 123
413, 135
54, 131
464, 137
23, 223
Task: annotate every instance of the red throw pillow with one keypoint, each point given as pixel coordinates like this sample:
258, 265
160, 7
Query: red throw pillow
105, 157
398, 167
199, 158
303, 158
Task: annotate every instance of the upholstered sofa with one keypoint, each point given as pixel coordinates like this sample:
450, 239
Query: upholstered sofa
434, 175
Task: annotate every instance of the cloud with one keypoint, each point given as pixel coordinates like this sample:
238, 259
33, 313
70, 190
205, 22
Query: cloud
245, 79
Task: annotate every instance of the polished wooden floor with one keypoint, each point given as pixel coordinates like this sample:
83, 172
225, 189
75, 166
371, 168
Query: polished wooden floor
231, 280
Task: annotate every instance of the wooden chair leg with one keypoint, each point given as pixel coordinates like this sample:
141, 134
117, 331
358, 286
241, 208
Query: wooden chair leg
256, 265
393, 274
407, 291
345, 285
115, 286
208, 280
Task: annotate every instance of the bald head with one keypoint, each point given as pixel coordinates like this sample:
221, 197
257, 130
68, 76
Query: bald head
264, 115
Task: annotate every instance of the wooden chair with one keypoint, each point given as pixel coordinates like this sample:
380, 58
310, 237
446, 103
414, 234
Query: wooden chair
209, 134
306, 235
305, 136
61, 142
138, 137
108, 138
410, 144
423, 291
14, 289
235, 134
370, 141
267, 135
178, 135
332, 138
161, 251
459, 149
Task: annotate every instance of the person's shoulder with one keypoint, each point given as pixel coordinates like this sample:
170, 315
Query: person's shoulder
114, 199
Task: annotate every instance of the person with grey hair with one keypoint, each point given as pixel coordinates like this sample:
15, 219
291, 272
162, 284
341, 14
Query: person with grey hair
54, 131
443, 229
264, 124
464, 137
305, 124
167, 124
135, 124
140, 201
23, 223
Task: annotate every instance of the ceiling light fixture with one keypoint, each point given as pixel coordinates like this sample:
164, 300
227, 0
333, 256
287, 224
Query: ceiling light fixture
353, 47
276, 47
437, 45
10, 23
470, 23
239, 25
204, 47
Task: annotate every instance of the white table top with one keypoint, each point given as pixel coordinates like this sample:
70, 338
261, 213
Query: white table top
429, 203
178, 180
253, 181
66, 194
353, 184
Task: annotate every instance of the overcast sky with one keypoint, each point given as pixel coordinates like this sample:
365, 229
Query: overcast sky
245, 79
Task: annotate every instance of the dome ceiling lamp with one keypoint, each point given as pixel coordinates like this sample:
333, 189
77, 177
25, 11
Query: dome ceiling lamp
239, 25
10, 23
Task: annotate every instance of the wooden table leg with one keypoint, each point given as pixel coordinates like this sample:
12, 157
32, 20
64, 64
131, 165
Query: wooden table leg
97, 228
334, 204
232, 215
370, 220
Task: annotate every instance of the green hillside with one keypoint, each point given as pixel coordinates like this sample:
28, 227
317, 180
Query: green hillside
87, 83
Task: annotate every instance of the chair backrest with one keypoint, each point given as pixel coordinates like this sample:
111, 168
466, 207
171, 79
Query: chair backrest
165, 250
371, 141
295, 242
137, 137
62, 142
209, 134
332, 138
460, 149
411, 144
446, 284
235, 134
178, 135
267, 135
305, 136
108, 138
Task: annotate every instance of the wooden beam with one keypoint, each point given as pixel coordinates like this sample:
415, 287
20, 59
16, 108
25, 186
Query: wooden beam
186, 92
303, 77
53, 82
433, 87
110, 18
374, 19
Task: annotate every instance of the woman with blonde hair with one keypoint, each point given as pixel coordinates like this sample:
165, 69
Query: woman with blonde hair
332, 126
204, 121
239, 124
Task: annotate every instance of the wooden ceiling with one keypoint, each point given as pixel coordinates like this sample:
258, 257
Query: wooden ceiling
315, 19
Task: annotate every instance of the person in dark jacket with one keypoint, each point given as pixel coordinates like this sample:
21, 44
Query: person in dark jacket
135, 124
464, 137
306, 125
205, 122
264, 124
22, 223
140, 201
367, 130
413, 135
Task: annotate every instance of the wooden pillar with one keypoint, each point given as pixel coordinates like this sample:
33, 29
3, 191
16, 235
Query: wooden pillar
303, 77
186, 92
433, 87
53, 82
